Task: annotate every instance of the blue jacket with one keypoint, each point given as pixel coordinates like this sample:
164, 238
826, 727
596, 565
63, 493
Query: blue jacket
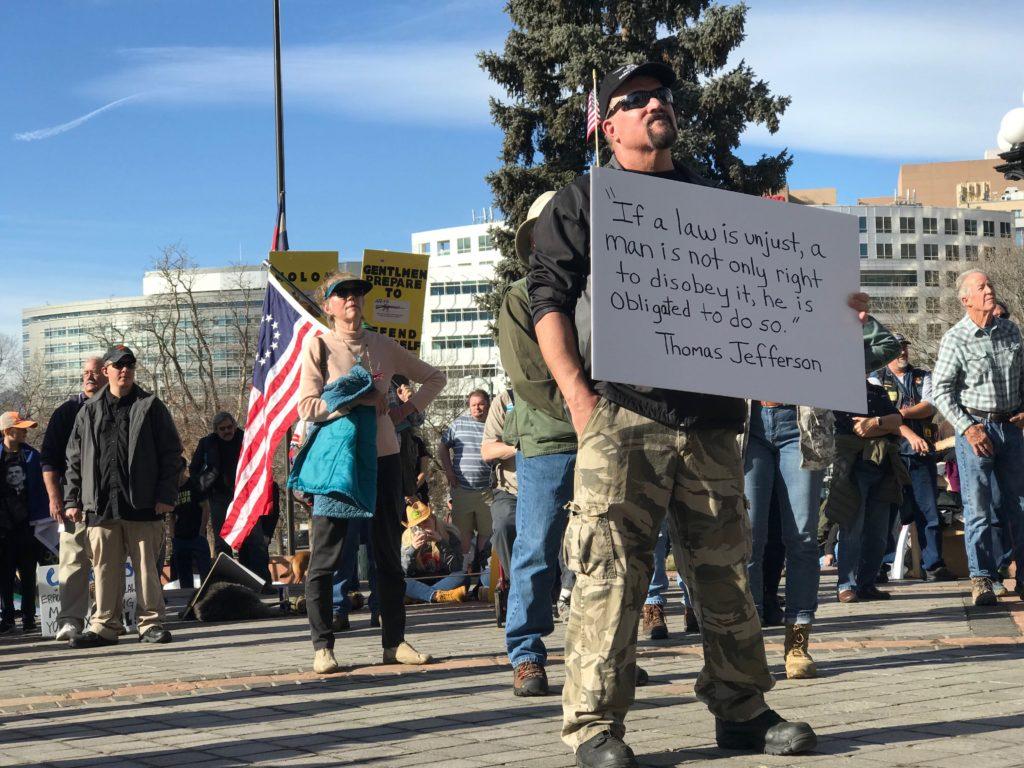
35, 492
338, 460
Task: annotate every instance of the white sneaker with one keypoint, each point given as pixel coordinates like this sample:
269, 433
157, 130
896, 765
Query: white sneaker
66, 632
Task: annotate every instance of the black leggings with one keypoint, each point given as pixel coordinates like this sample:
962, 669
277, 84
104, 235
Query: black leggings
326, 543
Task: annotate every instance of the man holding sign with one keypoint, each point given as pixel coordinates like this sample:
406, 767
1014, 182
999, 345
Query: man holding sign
645, 451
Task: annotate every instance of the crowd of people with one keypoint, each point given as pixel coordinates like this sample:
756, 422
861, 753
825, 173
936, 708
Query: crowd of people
583, 488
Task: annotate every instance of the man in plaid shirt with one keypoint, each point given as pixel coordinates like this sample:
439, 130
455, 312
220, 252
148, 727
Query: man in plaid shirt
977, 385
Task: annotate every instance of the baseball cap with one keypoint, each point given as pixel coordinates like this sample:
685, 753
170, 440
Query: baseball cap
343, 278
660, 72
13, 420
523, 242
901, 339
117, 354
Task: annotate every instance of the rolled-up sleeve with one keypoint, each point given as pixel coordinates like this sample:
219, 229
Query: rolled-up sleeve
945, 375
560, 261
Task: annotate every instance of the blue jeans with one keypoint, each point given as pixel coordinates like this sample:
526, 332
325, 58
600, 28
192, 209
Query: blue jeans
187, 553
992, 488
346, 578
920, 497
417, 590
772, 465
659, 578
862, 542
545, 487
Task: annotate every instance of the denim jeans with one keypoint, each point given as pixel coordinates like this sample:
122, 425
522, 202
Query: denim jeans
188, 553
992, 487
772, 465
417, 590
920, 497
659, 580
346, 578
862, 542
545, 487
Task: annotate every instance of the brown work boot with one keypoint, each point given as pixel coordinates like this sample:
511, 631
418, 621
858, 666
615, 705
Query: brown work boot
530, 680
654, 626
848, 596
799, 664
457, 595
981, 591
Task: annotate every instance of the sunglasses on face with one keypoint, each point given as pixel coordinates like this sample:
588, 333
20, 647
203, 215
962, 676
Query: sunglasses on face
345, 292
129, 364
638, 99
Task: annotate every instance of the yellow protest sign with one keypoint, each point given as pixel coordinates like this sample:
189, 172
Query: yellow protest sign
394, 307
306, 269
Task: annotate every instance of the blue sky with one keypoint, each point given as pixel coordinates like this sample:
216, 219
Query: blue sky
387, 130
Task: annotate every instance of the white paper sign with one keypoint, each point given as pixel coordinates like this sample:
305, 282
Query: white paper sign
703, 290
48, 591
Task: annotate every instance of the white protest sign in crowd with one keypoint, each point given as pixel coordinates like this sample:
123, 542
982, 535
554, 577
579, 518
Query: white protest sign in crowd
48, 589
698, 289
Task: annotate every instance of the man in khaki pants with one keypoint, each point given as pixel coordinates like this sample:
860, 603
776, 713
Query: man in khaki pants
123, 460
73, 568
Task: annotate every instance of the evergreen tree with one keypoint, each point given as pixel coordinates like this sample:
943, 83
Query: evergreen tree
546, 69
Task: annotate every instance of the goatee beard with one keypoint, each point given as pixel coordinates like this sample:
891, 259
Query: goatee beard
662, 134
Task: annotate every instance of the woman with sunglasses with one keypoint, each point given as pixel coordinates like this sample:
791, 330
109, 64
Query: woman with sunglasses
325, 359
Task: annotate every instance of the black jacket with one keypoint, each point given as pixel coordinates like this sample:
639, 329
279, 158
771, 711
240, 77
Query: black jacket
559, 281
154, 455
55, 442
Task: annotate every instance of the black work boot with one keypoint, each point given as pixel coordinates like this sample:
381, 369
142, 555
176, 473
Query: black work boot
767, 732
605, 751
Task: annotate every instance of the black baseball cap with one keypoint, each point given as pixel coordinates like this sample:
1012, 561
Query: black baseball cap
660, 72
901, 339
118, 353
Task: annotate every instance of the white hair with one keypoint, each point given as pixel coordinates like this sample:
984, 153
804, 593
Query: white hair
962, 278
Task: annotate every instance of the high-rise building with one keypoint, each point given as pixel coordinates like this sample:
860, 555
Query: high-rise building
457, 335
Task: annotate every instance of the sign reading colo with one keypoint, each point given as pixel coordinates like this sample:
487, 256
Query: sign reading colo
704, 290
394, 307
306, 269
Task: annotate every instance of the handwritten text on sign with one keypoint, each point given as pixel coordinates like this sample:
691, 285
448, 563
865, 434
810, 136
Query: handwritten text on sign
704, 290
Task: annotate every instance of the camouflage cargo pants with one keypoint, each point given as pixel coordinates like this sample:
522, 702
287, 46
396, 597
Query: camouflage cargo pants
630, 472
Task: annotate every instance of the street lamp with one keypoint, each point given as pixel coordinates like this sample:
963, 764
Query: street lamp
1011, 145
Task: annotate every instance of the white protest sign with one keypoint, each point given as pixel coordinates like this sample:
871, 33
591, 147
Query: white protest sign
48, 590
703, 290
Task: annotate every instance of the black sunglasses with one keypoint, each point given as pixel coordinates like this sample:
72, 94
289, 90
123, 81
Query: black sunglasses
638, 99
345, 291
129, 364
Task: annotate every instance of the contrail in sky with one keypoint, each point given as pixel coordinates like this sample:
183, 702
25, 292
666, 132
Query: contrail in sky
46, 133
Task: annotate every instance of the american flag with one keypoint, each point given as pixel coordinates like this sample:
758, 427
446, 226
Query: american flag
280, 242
273, 401
592, 117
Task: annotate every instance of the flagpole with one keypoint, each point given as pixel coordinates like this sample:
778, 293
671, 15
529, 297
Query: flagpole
281, 243
597, 142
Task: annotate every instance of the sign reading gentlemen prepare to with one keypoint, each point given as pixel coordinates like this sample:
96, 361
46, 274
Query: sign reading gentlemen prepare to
703, 290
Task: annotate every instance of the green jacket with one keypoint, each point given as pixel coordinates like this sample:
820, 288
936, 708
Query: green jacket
843, 504
539, 424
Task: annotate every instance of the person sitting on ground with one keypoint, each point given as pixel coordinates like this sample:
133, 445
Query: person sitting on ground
431, 551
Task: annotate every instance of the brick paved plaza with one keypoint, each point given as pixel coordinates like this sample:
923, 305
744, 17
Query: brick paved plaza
923, 680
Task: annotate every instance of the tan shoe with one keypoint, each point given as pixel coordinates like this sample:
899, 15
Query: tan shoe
653, 623
457, 595
324, 662
981, 591
799, 664
406, 654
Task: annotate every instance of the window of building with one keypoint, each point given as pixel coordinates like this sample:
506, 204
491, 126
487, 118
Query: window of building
883, 250
930, 226
863, 250
931, 251
932, 305
485, 243
952, 252
423, 248
464, 245
951, 226
906, 225
931, 278
988, 252
935, 331
463, 342
454, 289
970, 253
894, 304
862, 223
888, 278
1005, 230
444, 247
883, 224
908, 251
971, 227
951, 279
988, 228
459, 315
